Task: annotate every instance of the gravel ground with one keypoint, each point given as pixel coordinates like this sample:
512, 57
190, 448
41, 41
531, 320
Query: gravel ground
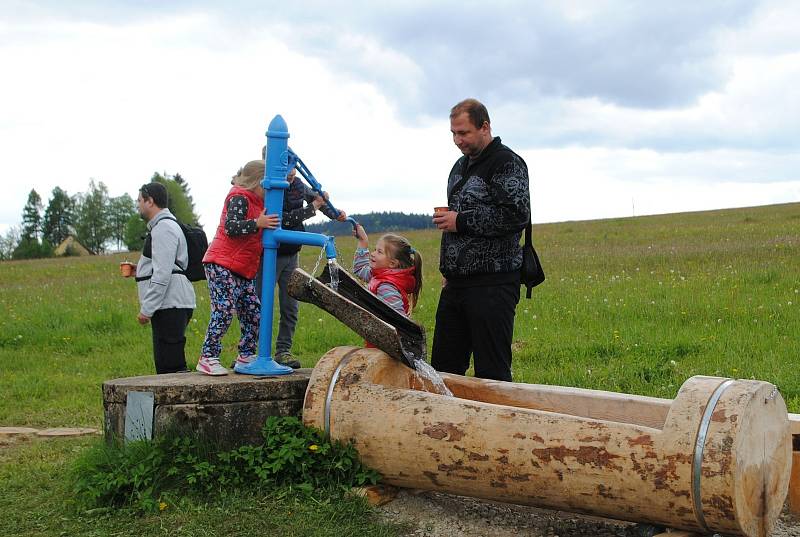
433, 514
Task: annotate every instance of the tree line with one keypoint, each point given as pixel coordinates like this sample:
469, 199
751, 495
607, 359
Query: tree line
98, 221
374, 223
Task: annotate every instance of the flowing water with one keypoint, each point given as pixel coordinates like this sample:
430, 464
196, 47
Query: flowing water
424, 371
333, 270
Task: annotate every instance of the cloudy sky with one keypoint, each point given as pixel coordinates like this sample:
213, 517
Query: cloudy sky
619, 107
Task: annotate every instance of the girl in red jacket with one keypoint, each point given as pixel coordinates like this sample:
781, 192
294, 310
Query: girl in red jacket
393, 271
231, 263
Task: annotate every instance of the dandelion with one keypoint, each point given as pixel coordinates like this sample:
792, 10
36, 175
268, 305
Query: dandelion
313, 448
162, 506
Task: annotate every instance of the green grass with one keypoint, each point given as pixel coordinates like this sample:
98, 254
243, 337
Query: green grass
635, 305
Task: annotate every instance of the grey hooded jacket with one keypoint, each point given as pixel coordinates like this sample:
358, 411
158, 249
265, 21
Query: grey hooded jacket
164, 290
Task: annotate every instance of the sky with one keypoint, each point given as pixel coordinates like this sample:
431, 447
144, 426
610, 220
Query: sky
619, 108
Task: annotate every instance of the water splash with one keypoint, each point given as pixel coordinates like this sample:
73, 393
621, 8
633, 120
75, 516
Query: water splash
424, 371
333, 270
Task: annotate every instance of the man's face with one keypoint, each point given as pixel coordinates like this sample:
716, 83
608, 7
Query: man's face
291, 175
469, 139
143, 206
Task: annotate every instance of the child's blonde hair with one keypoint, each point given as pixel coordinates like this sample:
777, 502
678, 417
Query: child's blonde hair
401, 250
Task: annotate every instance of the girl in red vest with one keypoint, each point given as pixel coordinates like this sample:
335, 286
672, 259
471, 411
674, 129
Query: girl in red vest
393, 271
231, 263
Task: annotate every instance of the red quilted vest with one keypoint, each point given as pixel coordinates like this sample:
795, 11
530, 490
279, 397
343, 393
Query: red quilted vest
240, 254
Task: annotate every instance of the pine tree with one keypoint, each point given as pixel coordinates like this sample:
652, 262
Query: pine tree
180, 203
58, 217
91, 217
32, 217
178, 178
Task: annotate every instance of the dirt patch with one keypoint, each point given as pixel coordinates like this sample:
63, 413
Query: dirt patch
433, 514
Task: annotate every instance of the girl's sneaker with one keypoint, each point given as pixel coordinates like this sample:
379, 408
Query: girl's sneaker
243, 360
211, 366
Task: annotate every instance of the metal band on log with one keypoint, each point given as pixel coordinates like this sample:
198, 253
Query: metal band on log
716, 458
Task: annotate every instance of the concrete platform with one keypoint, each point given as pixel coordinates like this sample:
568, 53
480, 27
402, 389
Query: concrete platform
228, 411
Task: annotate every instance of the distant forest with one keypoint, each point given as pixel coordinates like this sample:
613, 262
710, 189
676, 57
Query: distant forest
374, 223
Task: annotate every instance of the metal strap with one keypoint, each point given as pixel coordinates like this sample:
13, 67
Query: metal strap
331, 386
699, 446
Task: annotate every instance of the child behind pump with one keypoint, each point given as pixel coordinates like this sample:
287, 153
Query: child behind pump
393, 271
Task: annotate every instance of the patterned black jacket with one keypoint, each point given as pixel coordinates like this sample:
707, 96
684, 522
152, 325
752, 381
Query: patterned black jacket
493, 202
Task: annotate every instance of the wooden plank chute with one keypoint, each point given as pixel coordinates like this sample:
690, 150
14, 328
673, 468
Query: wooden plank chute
716, 459
364, 313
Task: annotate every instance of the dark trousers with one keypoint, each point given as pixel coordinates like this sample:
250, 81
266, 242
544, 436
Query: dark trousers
169, 339
477, 321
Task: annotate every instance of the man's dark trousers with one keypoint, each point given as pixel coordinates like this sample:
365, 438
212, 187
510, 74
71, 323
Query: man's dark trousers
169, 339
479, 321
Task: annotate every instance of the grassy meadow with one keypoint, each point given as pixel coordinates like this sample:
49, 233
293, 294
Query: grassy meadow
635, 305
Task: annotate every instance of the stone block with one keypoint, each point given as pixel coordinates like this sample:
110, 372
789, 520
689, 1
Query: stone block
227, 411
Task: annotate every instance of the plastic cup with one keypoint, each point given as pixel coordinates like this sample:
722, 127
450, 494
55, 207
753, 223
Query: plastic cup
440, 209
126, 268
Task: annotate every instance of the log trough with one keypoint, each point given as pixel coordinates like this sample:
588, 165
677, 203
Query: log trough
715, 459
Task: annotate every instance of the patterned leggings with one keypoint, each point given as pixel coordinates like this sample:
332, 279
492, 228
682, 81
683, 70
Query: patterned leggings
230, 293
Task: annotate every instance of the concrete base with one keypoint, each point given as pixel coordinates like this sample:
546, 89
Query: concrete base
228, 411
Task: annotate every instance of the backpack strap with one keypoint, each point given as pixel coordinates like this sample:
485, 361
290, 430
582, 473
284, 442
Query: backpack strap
180, 271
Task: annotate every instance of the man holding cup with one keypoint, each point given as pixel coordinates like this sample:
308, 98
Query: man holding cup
480, 255
166, 296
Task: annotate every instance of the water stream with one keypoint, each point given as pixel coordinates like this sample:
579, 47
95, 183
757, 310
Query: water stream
424, 371
333, 270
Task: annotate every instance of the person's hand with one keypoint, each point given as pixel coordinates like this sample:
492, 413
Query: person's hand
142, 318
325, 195
269, 221
444, 282
342, 216
361, 235
317, 202
446, 221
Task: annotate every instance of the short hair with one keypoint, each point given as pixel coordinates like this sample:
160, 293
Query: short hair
475, 109
156, 192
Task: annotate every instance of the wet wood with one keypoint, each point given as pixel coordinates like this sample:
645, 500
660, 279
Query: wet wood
794, 485
538, 449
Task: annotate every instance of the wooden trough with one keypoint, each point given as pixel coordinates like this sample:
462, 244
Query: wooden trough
715, 459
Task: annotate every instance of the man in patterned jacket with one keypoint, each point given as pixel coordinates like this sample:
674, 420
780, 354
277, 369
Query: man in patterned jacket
480, 255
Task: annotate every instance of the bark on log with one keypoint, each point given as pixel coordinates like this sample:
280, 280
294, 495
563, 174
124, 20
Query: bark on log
716, 460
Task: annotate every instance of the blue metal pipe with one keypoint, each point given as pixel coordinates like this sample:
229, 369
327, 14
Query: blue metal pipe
279, 158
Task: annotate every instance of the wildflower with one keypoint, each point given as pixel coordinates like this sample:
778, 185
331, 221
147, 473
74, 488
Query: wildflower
162, 506
313, 447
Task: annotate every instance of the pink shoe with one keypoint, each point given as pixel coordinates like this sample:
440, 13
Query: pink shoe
211, 366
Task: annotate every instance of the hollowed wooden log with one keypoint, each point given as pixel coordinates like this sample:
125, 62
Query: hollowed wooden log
715, 459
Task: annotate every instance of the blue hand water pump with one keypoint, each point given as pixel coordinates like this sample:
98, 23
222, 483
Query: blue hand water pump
279, 159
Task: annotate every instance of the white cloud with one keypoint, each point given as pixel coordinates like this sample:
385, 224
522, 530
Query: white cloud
118, 95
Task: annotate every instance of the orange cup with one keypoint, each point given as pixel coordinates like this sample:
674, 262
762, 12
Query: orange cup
440, 209
126, 268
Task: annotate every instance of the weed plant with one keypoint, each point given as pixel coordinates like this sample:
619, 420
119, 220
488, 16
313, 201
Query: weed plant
140, 475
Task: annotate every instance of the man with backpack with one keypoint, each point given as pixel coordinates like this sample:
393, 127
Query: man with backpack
166, 295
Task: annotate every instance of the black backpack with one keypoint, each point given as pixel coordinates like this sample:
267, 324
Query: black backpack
197, 244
